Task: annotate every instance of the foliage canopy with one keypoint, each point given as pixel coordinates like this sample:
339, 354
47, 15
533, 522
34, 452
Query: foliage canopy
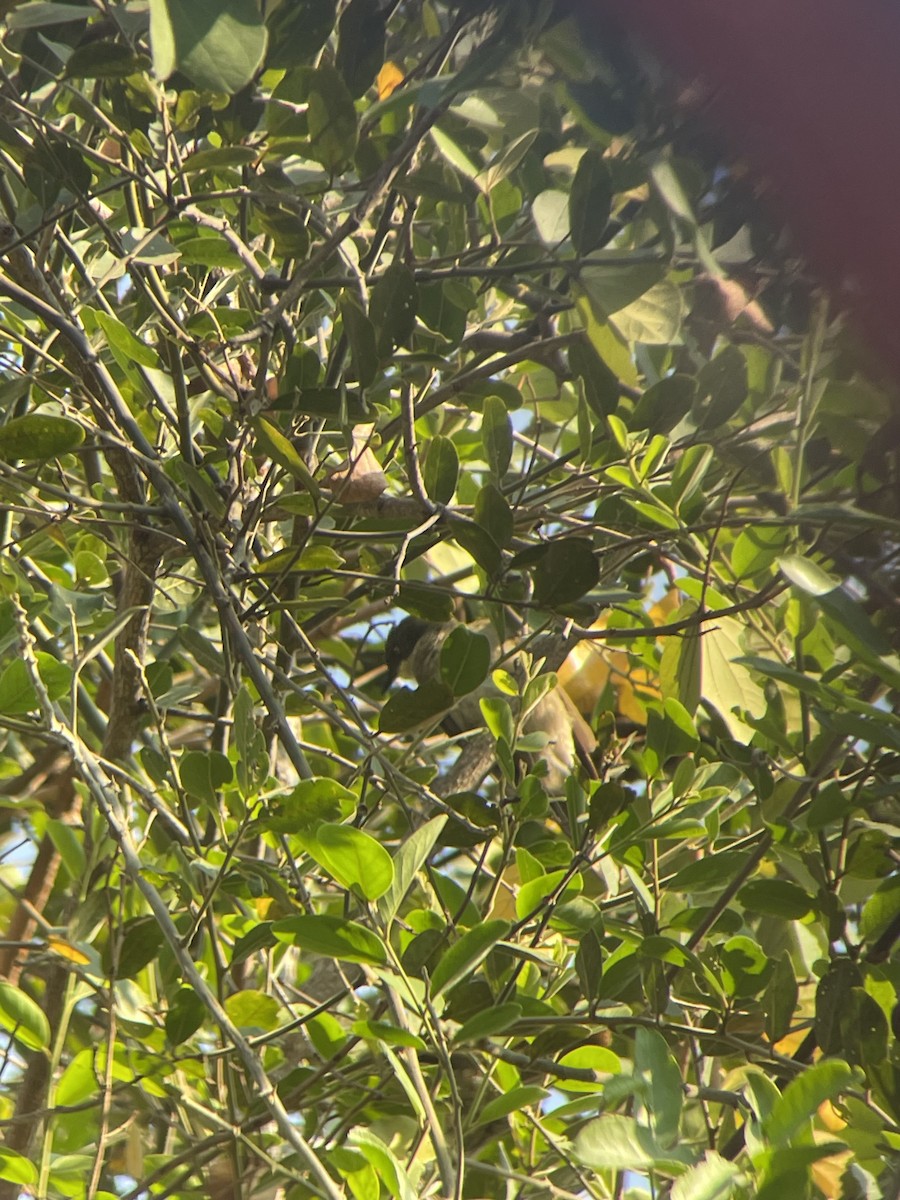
320, 314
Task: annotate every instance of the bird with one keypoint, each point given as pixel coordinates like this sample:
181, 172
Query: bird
413, 650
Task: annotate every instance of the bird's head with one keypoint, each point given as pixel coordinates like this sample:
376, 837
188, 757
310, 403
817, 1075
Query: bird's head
401, 643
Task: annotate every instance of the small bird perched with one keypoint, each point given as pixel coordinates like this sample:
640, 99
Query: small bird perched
413, 650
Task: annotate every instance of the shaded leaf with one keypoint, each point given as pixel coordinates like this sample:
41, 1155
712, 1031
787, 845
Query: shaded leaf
360, 51
493, 514
298, 31
441, 470
392, 308
589, 202
465, 660
496, 435
408, 708
218, 44
37, 436
780, 999
565, 572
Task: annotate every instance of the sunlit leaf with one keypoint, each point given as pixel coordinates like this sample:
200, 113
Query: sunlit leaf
21, 1017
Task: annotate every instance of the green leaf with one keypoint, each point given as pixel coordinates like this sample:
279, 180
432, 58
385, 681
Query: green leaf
565, 572
780, 999
139, 945
218, 44
496, 435
298, 31
531, 895
331, 117
715, 1178
506, 161
801, 1098
756, 549
354, 858
654, 319
664, 404
589, 956
690, 471
462, 958
724, 380
204, 772
408, 862
360, 50
392, 308
670, 733
866, 1032
454, 154
361, 335
807, 575
498, 717
745, 966
441, 469
218, 159
68, 843
681, 665
41, 13
420, 601
620, 1144
253, 1010
662, 1077
311, 802
17, 694
389, 1169
614, 286
550, 211
493, 514
517, 1098
601, 387
186, 1014
776, 898
407, 708
465, 660
126, 348
728, 684
832, 1001
332, 937
590, 201
599, 1059
21, 1017
478, 543
104, 60
881, 910
489, 1023
38, 436
282, 451
13, 1167
837, 603
79, 1081
711, 872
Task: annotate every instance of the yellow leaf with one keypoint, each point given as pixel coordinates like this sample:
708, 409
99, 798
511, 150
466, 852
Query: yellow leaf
389, 77
504, 904
592, 665
66, 950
